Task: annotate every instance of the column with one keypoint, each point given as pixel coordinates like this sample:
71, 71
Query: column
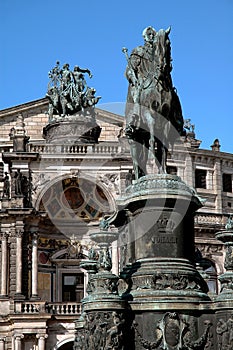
218, 184
18, 341
189, 174
41, 341
115, 258
19, 236
209, 180
34, 266
2, 343
4, 264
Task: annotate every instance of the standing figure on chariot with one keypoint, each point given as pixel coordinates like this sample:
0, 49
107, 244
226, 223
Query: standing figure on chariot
68, 91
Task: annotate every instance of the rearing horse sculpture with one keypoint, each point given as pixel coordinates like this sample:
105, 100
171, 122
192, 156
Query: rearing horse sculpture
153, 111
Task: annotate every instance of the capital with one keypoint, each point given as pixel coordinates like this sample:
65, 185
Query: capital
18, 336
42, 336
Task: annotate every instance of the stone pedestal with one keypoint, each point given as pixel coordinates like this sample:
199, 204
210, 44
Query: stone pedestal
224, 301
103, 323
163, 303
226, 279
165, 290
73, 129
160, 212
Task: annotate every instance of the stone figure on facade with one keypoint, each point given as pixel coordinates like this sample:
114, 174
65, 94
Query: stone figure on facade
68, 91
26, 191
18, 135
22, 187
129, 178
6, 186
18, 179
188, 125
153, 111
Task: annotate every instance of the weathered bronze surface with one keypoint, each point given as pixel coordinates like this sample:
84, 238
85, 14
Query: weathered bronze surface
68, 92
160, 300
153, 111
71, 107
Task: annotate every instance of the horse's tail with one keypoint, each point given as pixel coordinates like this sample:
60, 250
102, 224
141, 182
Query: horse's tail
176, 117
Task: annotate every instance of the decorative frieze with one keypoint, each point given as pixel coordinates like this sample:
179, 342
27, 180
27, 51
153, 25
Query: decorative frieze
101, 330
224, 331
174, 332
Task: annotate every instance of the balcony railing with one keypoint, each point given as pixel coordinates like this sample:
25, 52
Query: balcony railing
210, 219
64, 308
101, 148
27, 307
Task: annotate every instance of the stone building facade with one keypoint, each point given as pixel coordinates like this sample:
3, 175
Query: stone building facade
52, 195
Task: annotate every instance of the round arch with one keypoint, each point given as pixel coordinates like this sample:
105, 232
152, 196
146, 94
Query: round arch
65, 344
82, 194
210, 272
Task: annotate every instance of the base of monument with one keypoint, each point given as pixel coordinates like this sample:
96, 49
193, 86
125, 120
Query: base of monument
226, 280
165, 279
72, 130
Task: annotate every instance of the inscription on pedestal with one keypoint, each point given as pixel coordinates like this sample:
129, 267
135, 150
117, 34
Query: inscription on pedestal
164, 239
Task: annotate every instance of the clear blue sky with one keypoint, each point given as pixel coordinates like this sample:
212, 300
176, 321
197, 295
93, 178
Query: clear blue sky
91, 34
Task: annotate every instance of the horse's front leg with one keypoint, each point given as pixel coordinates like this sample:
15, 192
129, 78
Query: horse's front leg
152, 141
136, 154
162, 158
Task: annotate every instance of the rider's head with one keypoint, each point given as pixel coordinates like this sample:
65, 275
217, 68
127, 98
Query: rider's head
149, 34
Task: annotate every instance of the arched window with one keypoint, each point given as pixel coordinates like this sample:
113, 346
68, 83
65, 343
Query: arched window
208, 271
67, 346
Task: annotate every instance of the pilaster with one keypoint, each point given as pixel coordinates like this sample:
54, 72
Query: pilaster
4, 260
34, 275
19, 231
41, 341
2, 343
18, 341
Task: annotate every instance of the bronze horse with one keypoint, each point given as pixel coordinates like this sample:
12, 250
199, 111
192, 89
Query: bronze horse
153, 111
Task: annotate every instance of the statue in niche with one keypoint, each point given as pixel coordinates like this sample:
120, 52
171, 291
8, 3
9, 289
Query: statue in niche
129, 178
18, 179
68, 92
153, 112
26, 191
6, 186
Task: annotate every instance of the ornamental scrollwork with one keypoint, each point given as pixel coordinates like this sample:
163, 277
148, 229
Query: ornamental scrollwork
178, 281
173, 332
